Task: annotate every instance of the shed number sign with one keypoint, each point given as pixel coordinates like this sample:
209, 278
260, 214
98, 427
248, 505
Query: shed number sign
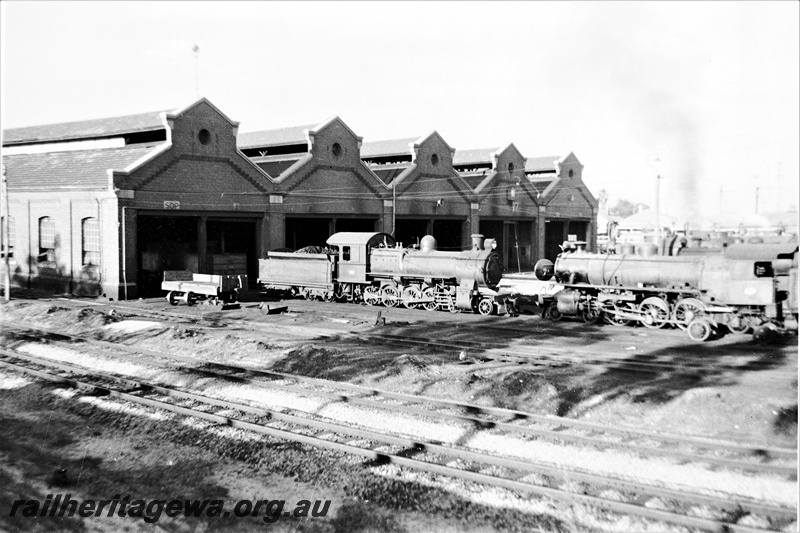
172, 204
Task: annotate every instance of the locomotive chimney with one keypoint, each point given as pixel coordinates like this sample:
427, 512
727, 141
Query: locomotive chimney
477, 241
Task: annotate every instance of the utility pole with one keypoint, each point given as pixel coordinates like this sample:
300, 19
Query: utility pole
6, 231
657, 238
394, 208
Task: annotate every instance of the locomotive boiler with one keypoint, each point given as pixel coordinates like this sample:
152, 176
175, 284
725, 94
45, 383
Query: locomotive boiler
742, 288
454, 280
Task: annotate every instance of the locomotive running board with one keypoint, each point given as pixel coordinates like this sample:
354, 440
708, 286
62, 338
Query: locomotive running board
626, 288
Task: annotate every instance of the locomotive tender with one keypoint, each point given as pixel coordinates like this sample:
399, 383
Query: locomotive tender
744, 287
373, 268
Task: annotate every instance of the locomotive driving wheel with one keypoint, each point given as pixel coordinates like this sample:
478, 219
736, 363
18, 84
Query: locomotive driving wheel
371, 295
390, 296
687, 310
655, 311
429, 295
411, 294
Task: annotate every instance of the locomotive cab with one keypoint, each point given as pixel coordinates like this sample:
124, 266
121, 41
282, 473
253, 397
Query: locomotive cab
352, 252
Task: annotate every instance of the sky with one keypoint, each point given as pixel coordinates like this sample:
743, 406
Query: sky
704, 94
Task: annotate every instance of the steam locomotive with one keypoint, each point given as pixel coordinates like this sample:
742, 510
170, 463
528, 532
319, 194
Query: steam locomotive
742, 287
373, 268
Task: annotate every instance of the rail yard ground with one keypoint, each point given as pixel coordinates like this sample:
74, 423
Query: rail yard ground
55, 439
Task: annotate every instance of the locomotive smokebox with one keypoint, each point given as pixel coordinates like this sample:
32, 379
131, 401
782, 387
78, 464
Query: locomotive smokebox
477, 241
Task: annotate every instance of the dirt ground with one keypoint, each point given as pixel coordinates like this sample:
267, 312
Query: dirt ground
746, 393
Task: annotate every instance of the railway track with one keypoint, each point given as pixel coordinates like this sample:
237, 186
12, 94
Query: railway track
740, 456
416, 454
482, 351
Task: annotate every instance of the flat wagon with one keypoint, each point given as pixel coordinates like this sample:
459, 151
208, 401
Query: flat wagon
184, 286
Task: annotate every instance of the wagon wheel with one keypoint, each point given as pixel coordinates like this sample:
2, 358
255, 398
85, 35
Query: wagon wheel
611, 316
687, 310
371, 296
191, 298
410, 294
552, 313
486, 307
390, 296
656, 312
429, 294
699, 329
590, 312
329, 296
171, 298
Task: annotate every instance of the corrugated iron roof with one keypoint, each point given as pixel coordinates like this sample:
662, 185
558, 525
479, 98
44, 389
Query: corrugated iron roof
84, 129
387, 147
538, 164
476, 155
84, 169
276, 137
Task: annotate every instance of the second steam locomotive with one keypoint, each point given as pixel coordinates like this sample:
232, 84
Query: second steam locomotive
743, 288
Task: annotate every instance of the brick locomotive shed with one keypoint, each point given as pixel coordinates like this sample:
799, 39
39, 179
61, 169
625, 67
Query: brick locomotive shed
103, 207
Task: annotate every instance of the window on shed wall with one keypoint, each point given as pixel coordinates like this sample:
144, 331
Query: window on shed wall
12, 230
90, 239
47, 240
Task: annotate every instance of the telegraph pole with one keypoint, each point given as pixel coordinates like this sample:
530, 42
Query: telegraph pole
6, 232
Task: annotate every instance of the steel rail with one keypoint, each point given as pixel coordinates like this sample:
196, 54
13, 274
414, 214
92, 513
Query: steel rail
481, 423
470, 408
514, 484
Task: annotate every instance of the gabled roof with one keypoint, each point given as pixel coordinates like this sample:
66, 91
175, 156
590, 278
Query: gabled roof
476, 155
542, 164
85, 129
387, 147
84, 169
277, 137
